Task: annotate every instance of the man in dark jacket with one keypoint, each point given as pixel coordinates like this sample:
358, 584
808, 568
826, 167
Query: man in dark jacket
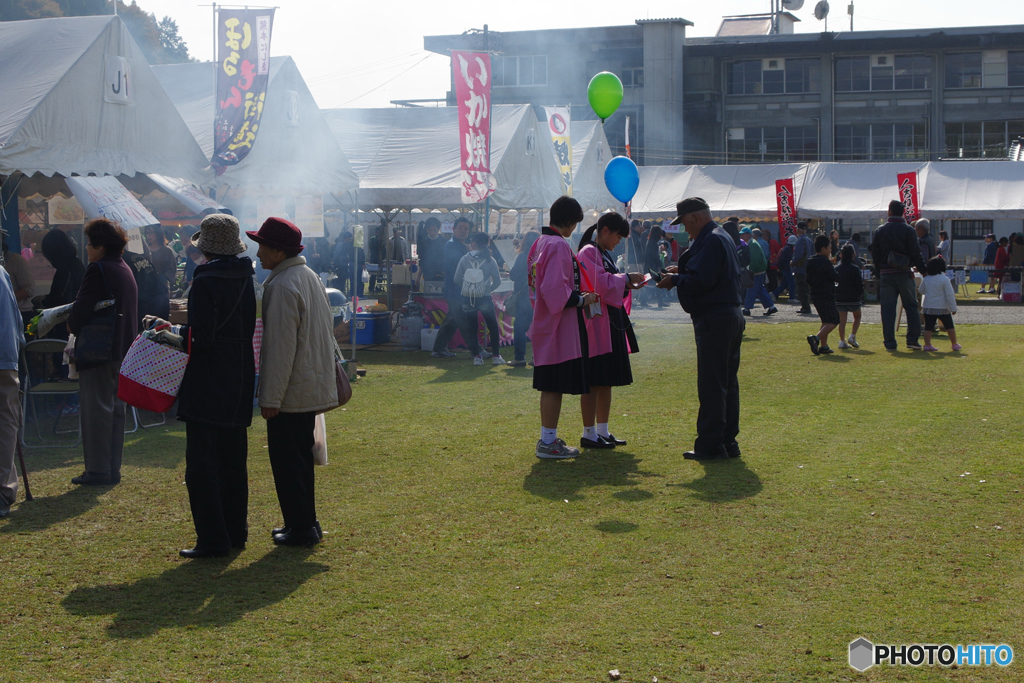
456, 320
894, 250
707, 281
215, 399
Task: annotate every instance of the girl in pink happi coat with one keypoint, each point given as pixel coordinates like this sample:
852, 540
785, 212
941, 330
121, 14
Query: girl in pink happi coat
558, 332
610, 334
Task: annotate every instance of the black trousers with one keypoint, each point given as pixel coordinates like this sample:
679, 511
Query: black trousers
290, 442
218, 484
457, 320
718, 335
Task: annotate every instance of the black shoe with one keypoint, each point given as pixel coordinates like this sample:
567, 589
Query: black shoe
693, 455
198, 553
813, 340
611, 439
916, 346
599, 443
92, 479
285, 530
746, 311
825, 349
732, 450
771, 311
804, 311
4, 511
292, 537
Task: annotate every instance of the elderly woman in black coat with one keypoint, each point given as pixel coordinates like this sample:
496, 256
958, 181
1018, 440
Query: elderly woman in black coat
102, 412
215, 398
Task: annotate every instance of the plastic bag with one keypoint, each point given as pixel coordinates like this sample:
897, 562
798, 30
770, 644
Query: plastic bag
320, 440
69, 354
366, 276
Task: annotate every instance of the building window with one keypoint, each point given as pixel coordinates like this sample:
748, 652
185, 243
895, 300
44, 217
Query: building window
963, 70
883, 73
514, 71
633, 78
1015, 69
881, 142
774, 76
981, 140
773, 144
969, 230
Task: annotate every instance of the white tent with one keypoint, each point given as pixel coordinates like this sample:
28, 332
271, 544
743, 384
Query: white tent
409, 158
79, 98
295, 152
748, 190
590, 154
851, 190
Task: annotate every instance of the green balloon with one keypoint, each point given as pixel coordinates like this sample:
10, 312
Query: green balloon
604, 94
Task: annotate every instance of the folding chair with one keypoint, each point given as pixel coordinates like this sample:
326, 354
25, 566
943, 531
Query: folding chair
38, 354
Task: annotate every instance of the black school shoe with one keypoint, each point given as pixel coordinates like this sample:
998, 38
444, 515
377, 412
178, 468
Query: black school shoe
693, 455
600, 443
293, 537
612, 440
813, 340
825, 349
732, 450
284, 530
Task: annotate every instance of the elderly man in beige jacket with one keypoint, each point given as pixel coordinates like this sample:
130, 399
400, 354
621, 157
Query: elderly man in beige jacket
296, 374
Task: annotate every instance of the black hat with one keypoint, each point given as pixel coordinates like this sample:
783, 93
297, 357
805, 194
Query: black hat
689, 205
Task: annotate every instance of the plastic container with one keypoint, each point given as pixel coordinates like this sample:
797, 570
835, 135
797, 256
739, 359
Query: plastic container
373, 328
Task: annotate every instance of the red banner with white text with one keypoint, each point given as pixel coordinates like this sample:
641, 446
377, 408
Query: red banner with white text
243, 71
786, 202
472, 75
908, 195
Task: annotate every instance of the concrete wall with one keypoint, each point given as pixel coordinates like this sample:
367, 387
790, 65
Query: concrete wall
663, 91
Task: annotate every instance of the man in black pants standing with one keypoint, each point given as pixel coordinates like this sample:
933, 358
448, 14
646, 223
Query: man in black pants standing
707, 281
456, 320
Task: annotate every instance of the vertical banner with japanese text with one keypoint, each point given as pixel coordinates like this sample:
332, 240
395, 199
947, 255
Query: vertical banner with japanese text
559, 125
471, 72
243, 71
786, 202
907, 183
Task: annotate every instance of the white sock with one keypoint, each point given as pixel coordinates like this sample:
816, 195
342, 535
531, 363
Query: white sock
548, 436
590, 433
602, 429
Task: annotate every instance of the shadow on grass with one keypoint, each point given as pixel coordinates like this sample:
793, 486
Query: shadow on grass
564, 479
161, 447
724, 481
614, 526
43, 512
195, 594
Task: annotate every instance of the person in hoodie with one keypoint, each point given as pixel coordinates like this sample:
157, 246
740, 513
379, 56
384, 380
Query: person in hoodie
215, 398
478, 273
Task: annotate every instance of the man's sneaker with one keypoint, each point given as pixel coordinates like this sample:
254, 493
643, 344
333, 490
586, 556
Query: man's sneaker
982, 291
928, 347
746, 311
478, 360
843, 344
771, 311
498, 360
957, 347
443, 354
852, 340
813, 340
486, 354
556, 451
915, 346
517, 364
804, 311
825, 349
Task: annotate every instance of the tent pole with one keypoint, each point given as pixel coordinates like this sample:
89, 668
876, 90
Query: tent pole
9, 220
356, 285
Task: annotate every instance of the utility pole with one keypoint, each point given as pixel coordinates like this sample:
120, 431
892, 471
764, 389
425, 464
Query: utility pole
849, 10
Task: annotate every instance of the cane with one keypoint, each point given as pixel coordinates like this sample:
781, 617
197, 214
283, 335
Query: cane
24, 473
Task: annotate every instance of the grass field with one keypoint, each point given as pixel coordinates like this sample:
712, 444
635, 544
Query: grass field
879, 495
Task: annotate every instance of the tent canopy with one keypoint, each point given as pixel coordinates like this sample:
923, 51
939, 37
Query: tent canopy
946, 189
79, 98
294, 153
410, 157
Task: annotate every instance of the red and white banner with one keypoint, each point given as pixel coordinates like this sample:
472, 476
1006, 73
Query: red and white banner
559, 122
786, 202
472, 75
908, 195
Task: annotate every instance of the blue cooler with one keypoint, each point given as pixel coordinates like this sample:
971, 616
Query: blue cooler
373, 328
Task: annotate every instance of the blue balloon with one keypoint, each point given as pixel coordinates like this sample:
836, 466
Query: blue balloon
622, 178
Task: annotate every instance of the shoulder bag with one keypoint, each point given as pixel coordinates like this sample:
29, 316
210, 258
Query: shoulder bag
94, 343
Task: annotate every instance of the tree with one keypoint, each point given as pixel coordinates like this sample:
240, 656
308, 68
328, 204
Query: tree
174, 47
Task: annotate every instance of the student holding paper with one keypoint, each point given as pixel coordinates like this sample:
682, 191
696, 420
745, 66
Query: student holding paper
609, 331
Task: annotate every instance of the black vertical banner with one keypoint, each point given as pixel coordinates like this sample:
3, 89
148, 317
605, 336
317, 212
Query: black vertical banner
243, 70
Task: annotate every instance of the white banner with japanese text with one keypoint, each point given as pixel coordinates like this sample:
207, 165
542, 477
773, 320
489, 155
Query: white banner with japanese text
472, 75
559, 120
105, 197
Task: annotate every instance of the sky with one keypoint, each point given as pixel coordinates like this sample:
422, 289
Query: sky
358, 53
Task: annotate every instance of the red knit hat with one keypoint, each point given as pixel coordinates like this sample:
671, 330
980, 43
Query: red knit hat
278, 233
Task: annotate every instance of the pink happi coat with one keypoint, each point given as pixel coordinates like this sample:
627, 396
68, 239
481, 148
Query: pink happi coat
555, 331
610, 287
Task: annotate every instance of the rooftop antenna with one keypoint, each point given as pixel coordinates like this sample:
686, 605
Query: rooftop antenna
821, 12
849, 10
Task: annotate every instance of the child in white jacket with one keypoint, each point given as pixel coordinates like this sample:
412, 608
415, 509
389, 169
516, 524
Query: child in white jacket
938, 303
